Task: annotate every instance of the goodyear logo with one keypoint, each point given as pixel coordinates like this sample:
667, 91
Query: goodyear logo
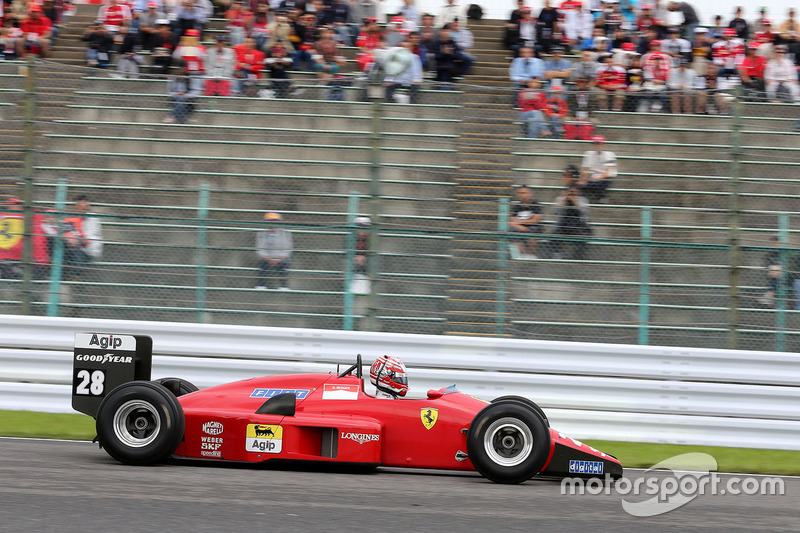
586, 467
264, 438
269, 393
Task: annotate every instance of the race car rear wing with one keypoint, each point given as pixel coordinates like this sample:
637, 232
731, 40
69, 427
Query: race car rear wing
101, 362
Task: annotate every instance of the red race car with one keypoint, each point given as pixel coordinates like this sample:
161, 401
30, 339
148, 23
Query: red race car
316, 417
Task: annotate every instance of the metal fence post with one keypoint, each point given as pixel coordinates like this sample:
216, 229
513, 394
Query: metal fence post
27, 183
735, 233
202, 251
644, 276
375, 92
502, 267
782, 293
57, 259
349, 260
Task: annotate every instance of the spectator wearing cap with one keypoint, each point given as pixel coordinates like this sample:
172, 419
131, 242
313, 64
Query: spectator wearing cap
758, 25
191, 53
676, 47
148, 24
751, 70
766, 36
781, 72
557, 69
682, 83
37, 30
598, 170
611, 84
361, 284
99, 43
701, 50
526, 217
739, 24
220, 63
727, 52
274, 250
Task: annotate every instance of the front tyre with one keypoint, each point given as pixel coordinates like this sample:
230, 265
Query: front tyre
508, 442
140, 423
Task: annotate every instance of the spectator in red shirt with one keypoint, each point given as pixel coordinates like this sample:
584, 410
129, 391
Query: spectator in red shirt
611, 81
114, 15
37, 30
751, 69
192, 53
249, 63
531, 102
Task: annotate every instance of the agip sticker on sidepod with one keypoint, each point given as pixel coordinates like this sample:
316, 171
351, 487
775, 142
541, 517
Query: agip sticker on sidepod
264, 438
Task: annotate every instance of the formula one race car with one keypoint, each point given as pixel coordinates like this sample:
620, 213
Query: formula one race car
314, 417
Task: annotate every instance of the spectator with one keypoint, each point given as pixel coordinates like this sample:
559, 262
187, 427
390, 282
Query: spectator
656, 74
278, 64
555, 111
361, 283
163, 44
128, 60
410, 12
775, 272
581, 103
647, 21
715, 86
523, 34
751, 70
598, 170
526, 217
448, 12
465, 41
781, 72
191, 53
11, 38
762, 21
682, 83
546, 26
274, 249
611, 83
340, 13
531, 102
676, 47
727, 52
114, 14
557, 70
148, 25
586, 68
249, 64
634, 100
99, 43
525, 67
690, 20
221, 60
790, 29
83, 239
577, 22
183, 90
393, 36
717, 29
571, 219
327, 59
570, 176
37, 30
740, 25
448, 60
239, 22
409, 79
516, 14
261, 23
280, 31
190, 17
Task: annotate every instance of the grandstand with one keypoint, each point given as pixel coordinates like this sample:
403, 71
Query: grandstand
181, 204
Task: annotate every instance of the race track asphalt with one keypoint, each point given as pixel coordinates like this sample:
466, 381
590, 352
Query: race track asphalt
67, 486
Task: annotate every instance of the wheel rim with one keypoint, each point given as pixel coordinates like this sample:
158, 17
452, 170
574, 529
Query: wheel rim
508, 442
136, 423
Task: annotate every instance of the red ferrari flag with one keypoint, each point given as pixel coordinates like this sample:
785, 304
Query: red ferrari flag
12, 232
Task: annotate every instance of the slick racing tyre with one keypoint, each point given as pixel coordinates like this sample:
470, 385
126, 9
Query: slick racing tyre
524, 401
508, 442
177, 386
140, 423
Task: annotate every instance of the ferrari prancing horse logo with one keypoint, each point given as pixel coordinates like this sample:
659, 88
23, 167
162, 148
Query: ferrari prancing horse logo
429, 416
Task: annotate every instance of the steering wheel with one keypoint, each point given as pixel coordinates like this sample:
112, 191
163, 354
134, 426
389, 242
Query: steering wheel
356, 367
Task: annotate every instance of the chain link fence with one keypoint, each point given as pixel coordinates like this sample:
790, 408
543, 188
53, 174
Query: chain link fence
695, 244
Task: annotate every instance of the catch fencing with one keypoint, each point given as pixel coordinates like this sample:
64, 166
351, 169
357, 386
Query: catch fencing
696, 247
591, 391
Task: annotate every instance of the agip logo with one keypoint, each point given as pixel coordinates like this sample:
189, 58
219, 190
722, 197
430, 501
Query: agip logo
264, 438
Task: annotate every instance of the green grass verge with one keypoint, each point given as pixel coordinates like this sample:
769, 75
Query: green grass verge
631, 454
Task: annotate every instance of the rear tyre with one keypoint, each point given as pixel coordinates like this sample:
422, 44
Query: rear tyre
508, 442
524, 401
140, 423
177, 386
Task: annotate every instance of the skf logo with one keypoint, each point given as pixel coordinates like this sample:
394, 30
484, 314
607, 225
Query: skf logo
264, 438
213, 428
429, 416
361, 438
105, 341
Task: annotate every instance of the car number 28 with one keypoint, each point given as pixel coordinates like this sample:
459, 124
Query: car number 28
90, 383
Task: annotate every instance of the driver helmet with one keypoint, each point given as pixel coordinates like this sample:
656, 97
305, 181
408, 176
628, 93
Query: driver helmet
388, 374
